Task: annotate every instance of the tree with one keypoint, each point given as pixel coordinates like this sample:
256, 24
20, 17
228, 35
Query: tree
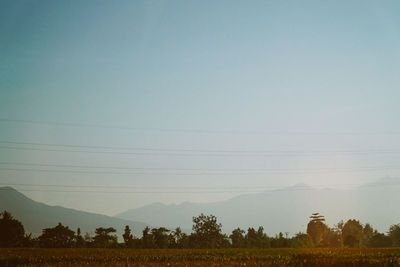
237, 238
379, 240
207, 232
367, 233
57, 237
104, 239
352, 234
147, 238
160, 237
128, 237
12, 233
301, 240
80, 242
178, 239
256, 239
394, 233
316, 228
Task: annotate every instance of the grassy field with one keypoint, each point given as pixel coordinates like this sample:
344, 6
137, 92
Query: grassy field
204, 257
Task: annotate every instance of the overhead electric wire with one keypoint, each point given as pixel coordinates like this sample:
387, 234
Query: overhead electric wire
181, 152
260, 190
198, 131
191, 172
187, 169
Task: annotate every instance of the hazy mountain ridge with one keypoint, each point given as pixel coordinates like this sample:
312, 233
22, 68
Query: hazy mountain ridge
286, 209
35, 215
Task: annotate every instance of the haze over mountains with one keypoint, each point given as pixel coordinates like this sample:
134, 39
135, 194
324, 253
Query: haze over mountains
35, 215
283, 210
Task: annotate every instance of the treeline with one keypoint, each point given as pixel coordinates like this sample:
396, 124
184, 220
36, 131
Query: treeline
207, 233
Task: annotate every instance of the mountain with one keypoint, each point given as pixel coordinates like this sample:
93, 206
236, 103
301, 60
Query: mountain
285, 210
35, 216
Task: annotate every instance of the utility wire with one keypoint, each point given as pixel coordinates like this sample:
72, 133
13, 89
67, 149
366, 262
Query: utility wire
294, 188
272, 171
197, 131
202, 150
192, 169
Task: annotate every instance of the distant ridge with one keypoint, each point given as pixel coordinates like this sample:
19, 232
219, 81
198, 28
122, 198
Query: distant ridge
285, 209
35, 215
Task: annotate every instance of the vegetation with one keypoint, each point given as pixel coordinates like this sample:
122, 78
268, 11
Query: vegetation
206, 234
200, 257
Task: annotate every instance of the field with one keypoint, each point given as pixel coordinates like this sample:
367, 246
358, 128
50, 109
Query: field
223, 257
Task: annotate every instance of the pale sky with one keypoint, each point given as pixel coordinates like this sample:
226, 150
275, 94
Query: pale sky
314, 85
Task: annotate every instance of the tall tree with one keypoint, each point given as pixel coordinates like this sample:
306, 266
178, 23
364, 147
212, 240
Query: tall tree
352, 234
11, 231
207, 232
128, 237
316, 228
80, 242
394, 233
237, 238
147, 238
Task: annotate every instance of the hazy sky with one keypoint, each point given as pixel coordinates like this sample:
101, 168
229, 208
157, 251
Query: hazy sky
313, 83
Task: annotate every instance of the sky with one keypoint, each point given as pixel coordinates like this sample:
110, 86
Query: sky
172, 101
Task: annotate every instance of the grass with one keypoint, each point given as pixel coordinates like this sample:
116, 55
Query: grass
202, 257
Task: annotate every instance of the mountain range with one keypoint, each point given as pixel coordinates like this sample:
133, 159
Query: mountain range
287, 209
282, 210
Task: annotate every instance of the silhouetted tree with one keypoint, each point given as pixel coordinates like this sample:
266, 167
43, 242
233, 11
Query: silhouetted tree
57, 237
367, 233
80, 242
178, 239
12, 233
379, 240
301, 240
316, 228
352, 234
207, 233
160, 237
256, 239
128, 237
147, 238
394, 234
238, 239
104, 239
331, 238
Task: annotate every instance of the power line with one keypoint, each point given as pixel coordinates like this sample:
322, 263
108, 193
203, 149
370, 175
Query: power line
164, 151
190, 169
272, 171
197, 131
137, 187
294, 188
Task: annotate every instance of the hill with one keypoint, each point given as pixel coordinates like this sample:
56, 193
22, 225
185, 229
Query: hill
35, 216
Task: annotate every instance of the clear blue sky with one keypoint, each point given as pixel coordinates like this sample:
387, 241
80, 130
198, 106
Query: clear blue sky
303, 75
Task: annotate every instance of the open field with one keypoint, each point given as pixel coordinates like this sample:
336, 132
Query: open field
204, 257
